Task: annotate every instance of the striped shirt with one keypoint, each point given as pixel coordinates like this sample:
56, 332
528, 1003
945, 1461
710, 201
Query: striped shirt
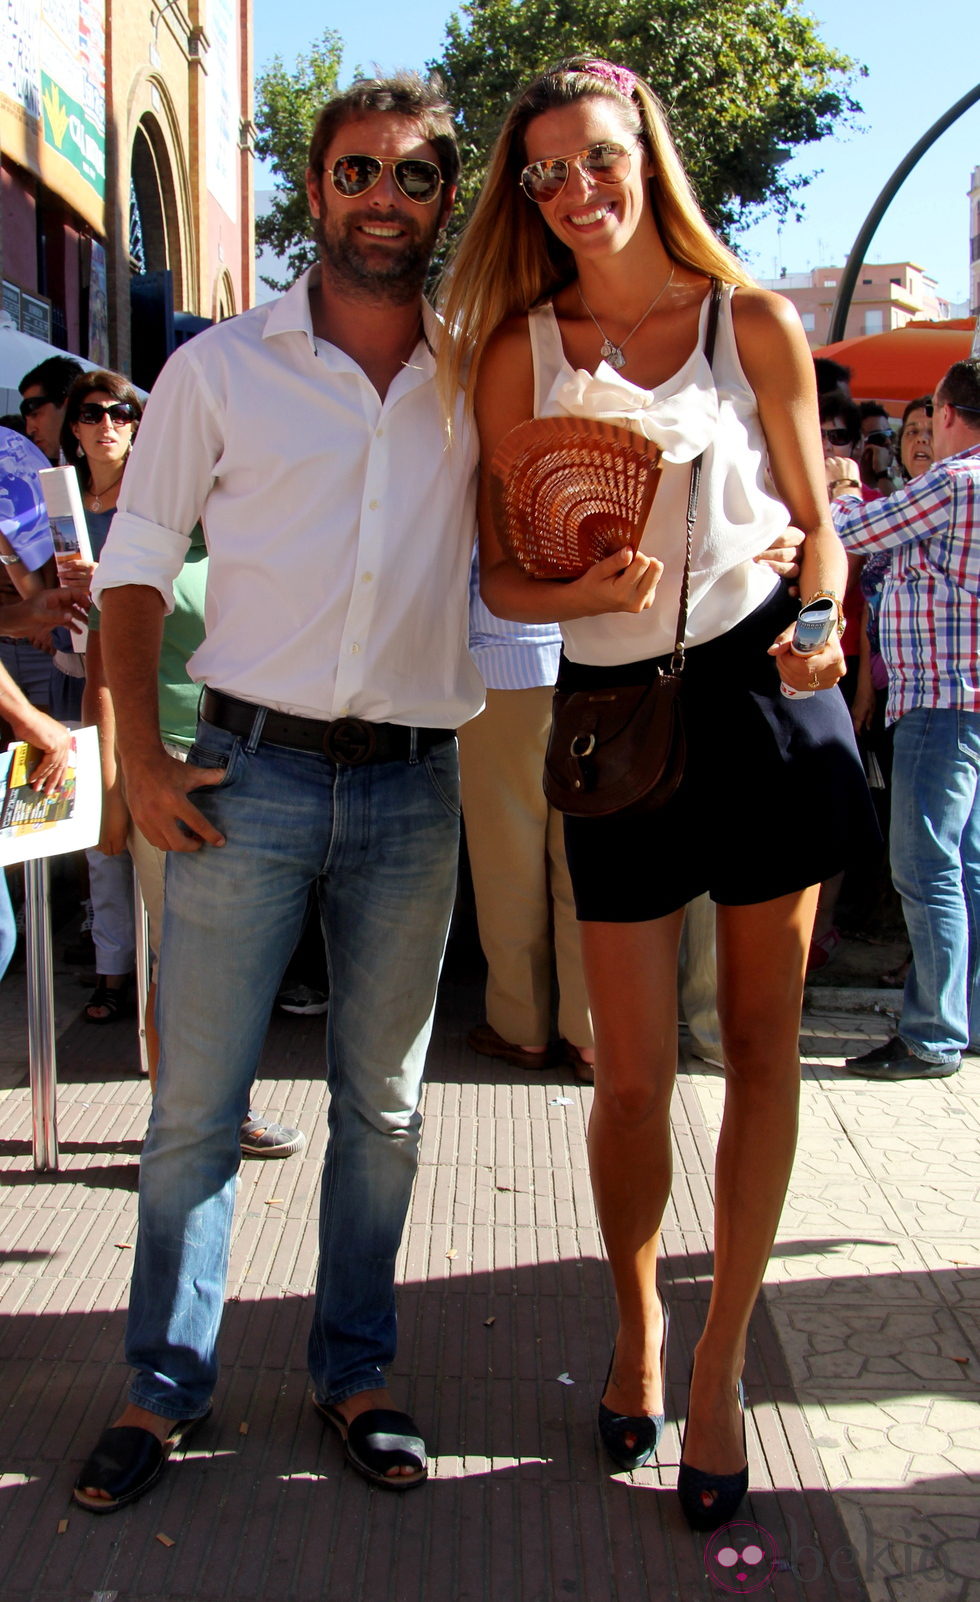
511, 656
930, 602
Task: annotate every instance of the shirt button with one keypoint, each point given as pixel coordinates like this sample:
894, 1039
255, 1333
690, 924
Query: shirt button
378, 433
373, 505
354, 649
366, 578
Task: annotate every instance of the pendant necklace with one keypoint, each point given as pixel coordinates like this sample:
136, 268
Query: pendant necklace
96, 505
611, 352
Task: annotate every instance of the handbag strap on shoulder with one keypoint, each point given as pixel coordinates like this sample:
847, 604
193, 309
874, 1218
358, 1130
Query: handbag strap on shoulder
711, 330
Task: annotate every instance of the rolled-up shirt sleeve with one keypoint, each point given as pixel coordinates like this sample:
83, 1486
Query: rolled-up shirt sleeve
166, 484
921, 510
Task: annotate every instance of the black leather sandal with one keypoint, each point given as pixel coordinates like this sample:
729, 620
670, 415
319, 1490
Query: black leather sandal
379, 1440
114, 1002
127, 1462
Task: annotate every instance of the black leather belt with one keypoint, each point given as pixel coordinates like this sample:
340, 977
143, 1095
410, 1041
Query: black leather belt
347, 741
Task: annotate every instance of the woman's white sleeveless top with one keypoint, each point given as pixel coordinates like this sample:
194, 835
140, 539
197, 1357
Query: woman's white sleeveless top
701, 408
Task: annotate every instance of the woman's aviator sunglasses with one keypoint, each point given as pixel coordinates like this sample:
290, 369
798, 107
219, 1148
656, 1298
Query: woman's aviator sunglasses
418, 180
118, 412
606, 163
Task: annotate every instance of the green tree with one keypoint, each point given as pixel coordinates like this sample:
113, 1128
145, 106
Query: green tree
743, 82
286, 107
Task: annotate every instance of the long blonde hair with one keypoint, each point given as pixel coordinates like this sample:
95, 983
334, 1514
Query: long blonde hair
508, 260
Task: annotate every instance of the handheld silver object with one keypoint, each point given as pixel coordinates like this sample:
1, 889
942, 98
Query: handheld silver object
814, 626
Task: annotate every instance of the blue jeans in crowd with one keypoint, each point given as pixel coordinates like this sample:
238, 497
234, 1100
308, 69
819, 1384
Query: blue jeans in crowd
935, 861
380, 842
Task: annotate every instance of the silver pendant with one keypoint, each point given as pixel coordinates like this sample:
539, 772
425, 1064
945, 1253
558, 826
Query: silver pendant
612, 354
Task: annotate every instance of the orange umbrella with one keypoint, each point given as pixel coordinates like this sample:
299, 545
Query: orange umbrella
903, 363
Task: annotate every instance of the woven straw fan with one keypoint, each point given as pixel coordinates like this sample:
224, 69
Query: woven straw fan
567, 491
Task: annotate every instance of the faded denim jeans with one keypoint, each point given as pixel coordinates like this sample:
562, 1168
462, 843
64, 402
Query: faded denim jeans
380, 842
935, 860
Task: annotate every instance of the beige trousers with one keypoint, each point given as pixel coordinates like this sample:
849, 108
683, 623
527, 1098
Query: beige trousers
524, 903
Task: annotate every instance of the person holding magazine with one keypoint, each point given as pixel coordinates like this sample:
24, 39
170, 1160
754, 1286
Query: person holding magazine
582, 288
102, 417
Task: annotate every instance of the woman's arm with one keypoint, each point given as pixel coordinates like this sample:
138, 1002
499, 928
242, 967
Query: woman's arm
97, 708
777, 363
620, 583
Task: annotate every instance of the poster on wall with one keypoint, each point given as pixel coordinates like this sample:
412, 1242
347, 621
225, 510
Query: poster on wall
98, 306
223, 105
52, 91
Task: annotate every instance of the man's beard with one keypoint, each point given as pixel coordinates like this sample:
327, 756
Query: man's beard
396, 276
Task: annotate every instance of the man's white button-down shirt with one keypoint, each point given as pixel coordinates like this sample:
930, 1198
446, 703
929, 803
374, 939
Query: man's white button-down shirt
339, 526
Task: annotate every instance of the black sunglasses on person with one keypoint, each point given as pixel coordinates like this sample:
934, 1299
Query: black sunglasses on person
118, 412
33, 403
418, 180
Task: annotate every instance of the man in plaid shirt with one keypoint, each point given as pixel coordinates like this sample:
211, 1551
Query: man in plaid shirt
930, 640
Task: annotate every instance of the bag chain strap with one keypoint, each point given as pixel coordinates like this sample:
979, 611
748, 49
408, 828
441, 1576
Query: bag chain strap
711, 329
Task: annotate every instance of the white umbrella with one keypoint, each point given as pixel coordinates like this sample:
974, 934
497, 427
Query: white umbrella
18, 354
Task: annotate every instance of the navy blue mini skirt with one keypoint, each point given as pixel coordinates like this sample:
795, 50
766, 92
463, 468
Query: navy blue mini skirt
773, 796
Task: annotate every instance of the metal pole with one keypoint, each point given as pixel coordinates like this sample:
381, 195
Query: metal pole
868, 229
142, 967
40, 1016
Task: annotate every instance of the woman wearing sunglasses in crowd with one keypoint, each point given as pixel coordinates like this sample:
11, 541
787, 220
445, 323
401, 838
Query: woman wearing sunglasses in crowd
581, 286
101, 419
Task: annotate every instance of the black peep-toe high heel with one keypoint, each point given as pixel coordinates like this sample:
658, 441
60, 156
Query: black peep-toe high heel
710, 1500
645, 1428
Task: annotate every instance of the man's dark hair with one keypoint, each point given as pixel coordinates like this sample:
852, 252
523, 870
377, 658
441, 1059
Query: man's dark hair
830, 374
407, 94
55, 376
872, 409
837, 404
960, 388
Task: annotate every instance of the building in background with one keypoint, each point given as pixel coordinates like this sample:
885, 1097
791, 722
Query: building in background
126, 132
886, 296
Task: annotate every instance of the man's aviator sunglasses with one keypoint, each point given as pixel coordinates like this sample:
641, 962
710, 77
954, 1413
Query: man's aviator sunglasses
418, 180
606, 163
118, 412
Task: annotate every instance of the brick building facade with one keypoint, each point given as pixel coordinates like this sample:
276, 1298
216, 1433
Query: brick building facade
126, 154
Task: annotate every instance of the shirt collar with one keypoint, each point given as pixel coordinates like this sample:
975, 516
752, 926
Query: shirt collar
290, 314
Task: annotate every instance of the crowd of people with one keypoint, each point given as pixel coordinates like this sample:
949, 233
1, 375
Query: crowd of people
289, 637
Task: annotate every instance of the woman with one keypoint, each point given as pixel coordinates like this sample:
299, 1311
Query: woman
101, 419
915, 440
587, 222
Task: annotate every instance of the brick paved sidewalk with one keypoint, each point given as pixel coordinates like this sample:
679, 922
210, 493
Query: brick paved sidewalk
864, 1433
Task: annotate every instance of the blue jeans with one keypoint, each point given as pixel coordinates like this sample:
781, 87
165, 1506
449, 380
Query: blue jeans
380, 842
935, 860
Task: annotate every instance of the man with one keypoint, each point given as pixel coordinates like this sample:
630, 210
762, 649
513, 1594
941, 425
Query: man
930, 640
44, 391
877, 456
307, 436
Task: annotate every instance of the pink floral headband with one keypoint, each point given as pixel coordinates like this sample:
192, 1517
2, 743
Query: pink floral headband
620, 77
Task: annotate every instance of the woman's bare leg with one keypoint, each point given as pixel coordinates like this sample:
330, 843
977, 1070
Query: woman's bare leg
762, 954
631, 973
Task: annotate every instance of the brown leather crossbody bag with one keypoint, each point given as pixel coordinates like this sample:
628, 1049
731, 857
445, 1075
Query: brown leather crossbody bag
623, 748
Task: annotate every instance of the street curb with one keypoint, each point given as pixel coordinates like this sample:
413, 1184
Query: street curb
850, 998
